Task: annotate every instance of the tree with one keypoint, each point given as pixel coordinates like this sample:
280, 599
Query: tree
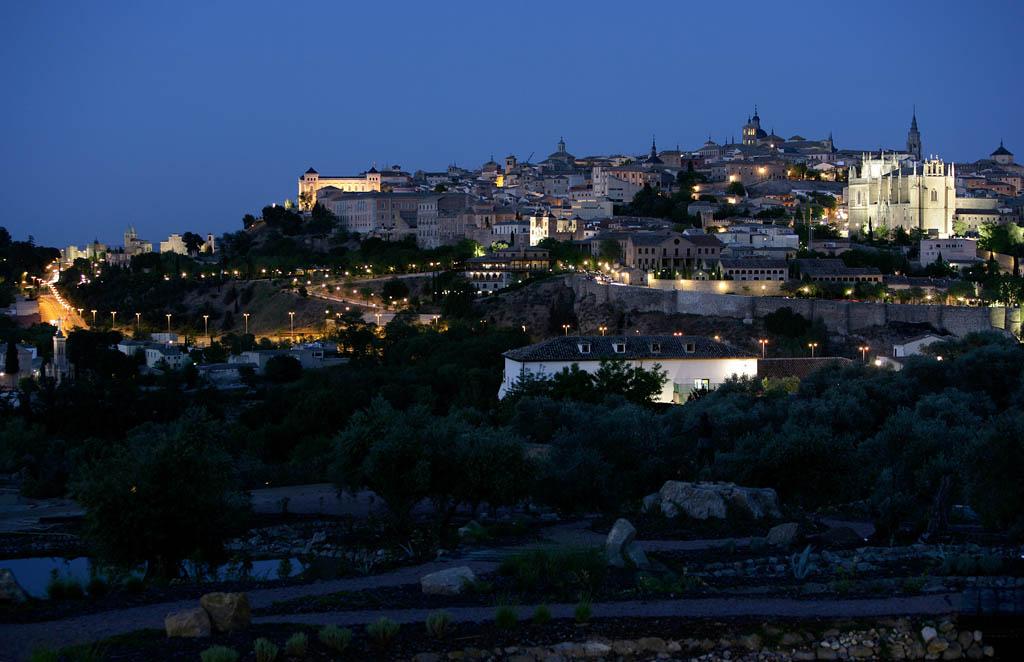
394, 289
440, 188
193, 242
282, 368
610, 251
168, 493
736, 188
11, 366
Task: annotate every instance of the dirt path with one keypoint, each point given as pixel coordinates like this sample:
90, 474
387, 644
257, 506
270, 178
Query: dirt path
17, 640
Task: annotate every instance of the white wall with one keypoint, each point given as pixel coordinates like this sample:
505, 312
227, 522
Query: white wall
680, 371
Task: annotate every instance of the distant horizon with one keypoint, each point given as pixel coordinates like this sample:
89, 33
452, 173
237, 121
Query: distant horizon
185, 118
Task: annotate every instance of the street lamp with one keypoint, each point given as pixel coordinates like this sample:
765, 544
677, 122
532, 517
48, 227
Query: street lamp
94, 317
863, 352
565, 327
168, 316
246, 317
206, 326
113, 318
813, 346
764, 346
137, 321
602, 329
291, 317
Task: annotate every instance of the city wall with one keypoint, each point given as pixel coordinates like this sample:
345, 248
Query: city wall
745, 287
841, 317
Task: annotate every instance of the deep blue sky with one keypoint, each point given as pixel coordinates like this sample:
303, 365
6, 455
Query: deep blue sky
184, 116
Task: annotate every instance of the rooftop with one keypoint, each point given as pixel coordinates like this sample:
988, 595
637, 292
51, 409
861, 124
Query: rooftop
636, 347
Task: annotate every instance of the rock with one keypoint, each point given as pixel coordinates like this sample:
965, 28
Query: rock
840, 537
804, 656
711, 500
650, 503
228, 611
10, 591
651, 644
626, 648
928, 633
989, 651
946, 626
596, 649
937, 645
860, 651
752, 642
791, 639
965, 639
450, 581
954, 652
193, 622
619, 538
825, 653
974, 652
636, 556
783, 535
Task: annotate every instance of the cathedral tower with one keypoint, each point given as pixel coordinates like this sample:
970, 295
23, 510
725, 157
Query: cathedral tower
914, 138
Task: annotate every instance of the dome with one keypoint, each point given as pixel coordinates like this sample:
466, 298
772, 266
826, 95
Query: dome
796, 138
1001, 151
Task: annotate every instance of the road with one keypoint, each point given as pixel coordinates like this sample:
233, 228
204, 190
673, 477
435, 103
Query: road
50, 310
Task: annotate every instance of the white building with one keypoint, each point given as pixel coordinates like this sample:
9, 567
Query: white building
691, 362
913, 346
956, 251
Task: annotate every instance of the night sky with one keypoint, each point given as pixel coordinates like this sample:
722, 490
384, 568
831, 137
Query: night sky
185, 116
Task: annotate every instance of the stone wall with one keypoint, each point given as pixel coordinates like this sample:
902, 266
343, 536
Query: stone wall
841, 317
747, 287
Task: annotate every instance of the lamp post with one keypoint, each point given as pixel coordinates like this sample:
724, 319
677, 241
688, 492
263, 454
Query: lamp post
168, 316
565, 327
764, 347
94, 317
813, 346
206, 326
291, 317
864, 352
113, 318
245, 316
137, 321
603, 329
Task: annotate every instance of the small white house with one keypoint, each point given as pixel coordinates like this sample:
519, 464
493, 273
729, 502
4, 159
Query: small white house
913, 346
692, 362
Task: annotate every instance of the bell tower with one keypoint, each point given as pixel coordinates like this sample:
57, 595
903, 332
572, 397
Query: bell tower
914, 138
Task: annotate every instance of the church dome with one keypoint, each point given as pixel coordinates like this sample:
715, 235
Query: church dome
796, 138
1001, 151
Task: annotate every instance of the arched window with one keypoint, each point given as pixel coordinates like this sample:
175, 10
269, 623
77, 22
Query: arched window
935, 196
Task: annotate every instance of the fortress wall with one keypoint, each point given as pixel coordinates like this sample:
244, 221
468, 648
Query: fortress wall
840, 317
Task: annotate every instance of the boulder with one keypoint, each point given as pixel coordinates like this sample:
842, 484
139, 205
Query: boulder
635, 555
10, 591
450, 581
840, 537
712, 500
650, 503
228, 611
193, 622
619, 538
783, 535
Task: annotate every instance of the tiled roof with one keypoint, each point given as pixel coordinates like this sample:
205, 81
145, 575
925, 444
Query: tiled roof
567, 348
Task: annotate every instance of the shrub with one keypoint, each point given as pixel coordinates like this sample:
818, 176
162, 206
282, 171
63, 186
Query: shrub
438, 624
582, 611
541, 615
382, 631
561, 570
296, 645
44, 655
134, 584
63, 588
219, 654
284, 568
335, 638
505, 617
266, 650
97, 587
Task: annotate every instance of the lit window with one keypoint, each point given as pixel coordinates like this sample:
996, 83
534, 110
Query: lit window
619, 347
